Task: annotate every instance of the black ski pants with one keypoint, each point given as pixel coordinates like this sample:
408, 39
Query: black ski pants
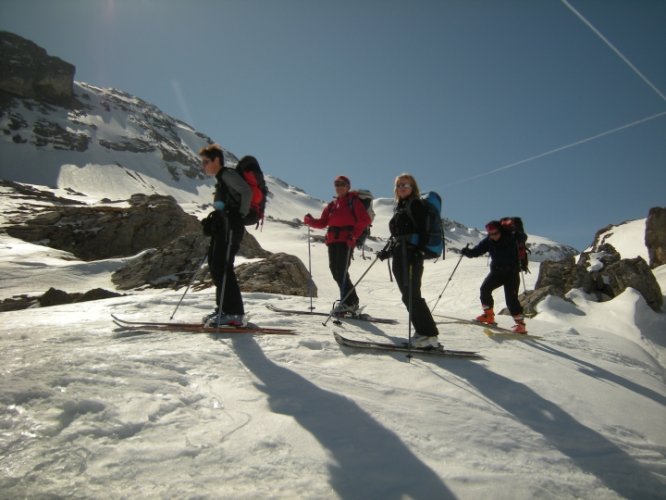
227, 233
339, 258
407, 268
510, 280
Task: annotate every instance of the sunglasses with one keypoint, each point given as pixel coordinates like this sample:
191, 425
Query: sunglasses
339, 184
403, 186
493, 233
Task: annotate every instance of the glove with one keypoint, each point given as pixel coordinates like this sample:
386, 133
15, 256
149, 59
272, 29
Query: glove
383, 254
466, 252
207, 224
308, 219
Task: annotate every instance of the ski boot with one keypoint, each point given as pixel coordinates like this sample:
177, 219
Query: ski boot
424, 342
488, 316
519, 327
235, 320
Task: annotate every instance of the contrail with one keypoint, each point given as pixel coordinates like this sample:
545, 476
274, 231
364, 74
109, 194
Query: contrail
175, 85
556, 150
614, 49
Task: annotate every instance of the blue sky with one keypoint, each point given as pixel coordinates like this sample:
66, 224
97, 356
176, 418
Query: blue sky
457, 92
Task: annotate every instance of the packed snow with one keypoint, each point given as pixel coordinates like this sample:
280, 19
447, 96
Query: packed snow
92, 410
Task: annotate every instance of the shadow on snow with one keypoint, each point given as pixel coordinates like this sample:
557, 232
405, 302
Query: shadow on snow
370, 460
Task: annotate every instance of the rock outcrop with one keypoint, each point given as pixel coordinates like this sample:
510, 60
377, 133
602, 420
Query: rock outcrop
27, 71
102, 232
655, 236
602, 274
279, 273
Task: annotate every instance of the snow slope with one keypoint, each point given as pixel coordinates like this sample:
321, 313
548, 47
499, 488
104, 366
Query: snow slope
88, 409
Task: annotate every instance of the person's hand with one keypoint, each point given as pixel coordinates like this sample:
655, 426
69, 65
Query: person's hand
383, 254
466, 251
308, 219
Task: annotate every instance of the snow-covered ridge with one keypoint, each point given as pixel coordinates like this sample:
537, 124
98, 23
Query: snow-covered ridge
115, 144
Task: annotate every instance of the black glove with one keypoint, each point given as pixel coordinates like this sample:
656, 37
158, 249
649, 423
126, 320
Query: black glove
207, 224
383, 254
466, 252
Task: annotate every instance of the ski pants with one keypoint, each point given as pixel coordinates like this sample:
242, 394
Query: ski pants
510, 280
224, 244
339, 258
407, 268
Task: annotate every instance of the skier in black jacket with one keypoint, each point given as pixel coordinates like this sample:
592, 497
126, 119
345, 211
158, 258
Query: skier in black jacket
225, 227
409, 235
502, 246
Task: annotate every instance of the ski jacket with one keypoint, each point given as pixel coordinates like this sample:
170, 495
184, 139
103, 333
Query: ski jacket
409, 222
503, 252
345, 218
232, 189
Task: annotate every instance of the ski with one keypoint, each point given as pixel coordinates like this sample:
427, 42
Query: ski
249, 328
359, 317
510, 335
494, 328
387, 346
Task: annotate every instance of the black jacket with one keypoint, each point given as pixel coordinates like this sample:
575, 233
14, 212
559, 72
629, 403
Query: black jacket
503, 252
409, 222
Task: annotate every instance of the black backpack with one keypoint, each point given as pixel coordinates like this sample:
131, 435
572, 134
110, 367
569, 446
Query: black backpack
514, 225
249, 169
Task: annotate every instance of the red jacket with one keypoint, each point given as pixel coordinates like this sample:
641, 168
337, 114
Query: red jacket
344, 225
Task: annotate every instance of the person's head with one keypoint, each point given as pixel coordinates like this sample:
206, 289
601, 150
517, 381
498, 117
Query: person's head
212, 159
405, 187
494, 230
342, 185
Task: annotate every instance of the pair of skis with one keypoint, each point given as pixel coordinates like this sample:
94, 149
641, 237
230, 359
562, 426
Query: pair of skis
490, 330
358, 317
250, 328
378, 346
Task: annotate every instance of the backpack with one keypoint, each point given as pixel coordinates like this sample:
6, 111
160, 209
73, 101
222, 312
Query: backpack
514, 226
366, 198
249, 169
435, 246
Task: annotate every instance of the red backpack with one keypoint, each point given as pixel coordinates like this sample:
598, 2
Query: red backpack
249, 169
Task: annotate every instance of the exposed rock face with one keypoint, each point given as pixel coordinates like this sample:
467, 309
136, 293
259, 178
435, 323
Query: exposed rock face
26, 70
54, 297
93, 233
655, 236
602, 274
279, 273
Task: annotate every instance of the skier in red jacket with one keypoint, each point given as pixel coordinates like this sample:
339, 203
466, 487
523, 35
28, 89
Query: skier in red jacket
346, 218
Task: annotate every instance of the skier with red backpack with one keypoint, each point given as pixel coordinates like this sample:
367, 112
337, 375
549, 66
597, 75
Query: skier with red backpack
226, 227
346, 219
503, 243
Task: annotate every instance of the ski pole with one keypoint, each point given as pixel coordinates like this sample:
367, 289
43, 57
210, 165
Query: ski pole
409, 310
196, 273
352, 288
448, 281
310, 282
